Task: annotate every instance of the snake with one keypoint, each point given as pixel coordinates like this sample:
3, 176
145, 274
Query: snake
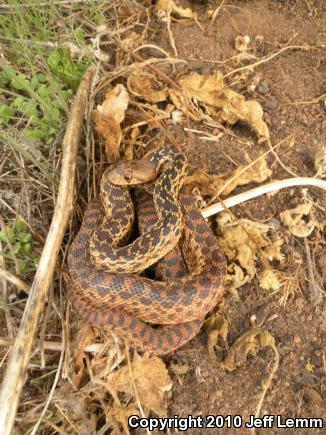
128, 303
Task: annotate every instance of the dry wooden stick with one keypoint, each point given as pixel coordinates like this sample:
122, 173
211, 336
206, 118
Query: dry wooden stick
54, 346
22, 285
15, 375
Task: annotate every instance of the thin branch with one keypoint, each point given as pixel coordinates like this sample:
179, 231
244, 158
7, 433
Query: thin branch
262, 190
267, 59
19, 283
54, 346
314, 289
215, 13
15, 374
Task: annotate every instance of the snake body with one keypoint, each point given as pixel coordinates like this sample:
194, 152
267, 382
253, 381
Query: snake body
124, 301
159, 238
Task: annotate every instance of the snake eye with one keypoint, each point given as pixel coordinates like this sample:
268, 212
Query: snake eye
127, 177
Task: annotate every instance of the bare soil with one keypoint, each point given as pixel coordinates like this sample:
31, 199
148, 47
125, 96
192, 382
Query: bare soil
292, 80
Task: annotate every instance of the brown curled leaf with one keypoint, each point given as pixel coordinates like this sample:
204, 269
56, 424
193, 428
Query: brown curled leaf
215, 326
170, 5
249, 343
146, 86
224, 104
293, 219
108, 117
150, 378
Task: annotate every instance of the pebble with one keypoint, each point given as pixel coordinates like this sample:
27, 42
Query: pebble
271, 104
263, 88
308, 378
316, 359
296, 339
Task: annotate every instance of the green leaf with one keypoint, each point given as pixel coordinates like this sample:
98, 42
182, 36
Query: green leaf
26, 107
34, 82
41, 78
54, 59
79, 35
22, 265
6, 111
25, 237
11, 235
9, 72
19, 225
20, 82
26, 248
35, 134
17, 247
44, 91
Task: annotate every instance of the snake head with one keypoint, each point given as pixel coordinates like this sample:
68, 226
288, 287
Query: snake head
132, 173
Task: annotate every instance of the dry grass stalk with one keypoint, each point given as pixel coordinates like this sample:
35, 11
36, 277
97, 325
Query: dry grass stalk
15, 375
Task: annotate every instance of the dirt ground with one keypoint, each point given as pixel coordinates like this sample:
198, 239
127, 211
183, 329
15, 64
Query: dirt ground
291, 89
297, 326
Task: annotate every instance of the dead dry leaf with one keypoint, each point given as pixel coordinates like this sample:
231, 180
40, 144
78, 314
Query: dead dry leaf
237, 276
224, 104
268, 280
150, 378
85, 335
170, 5
249, 343
257, 173
121, 413
115, 104
208, 184
293, 219
146, 86
320, 162
184, 103
215, 326
108, 117
241, 43
243, 237
273, 252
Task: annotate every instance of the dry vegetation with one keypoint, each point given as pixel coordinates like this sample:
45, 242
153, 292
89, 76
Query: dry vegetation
148, 91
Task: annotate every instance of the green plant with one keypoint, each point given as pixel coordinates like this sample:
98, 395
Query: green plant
37, 78
35, 99
21, 241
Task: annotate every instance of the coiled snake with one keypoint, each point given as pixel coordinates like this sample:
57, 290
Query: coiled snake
127, 302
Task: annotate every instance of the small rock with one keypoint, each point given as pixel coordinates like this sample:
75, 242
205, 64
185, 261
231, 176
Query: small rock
275, 224
308, 378
299, 302
316, 360
296, 339
263, 88
271, 104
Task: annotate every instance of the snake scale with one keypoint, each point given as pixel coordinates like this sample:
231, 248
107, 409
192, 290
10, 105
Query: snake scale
113, 294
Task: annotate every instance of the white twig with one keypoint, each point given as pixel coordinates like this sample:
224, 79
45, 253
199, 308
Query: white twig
262, 190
